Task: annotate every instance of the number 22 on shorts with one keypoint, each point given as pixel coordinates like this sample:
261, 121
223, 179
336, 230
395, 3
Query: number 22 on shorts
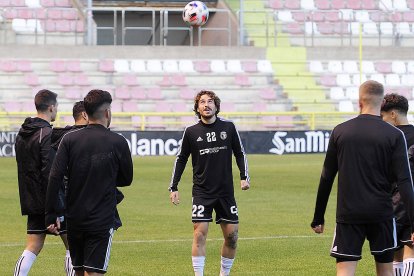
198, 211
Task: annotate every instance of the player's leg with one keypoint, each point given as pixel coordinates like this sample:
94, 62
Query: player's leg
347, 247
198, 250
68, 261
345, 268
228, 250
36, 235
408, 260
228, 217
397, 263
382, 239
97, 251
201, 216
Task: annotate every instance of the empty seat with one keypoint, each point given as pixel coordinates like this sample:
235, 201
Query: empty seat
338, 4
398, 67
242, 80
335, 66
107, 66
362, 16
328, 80
284, 16
121, 65
12, 106
202, 66
154, 93
129, 106
292, 4
24, 65
352, 93
65, 79
138, 93
185, 66
234, 66
358, 79
138, 66
130, 80
73, 66
386, 5
170, 66
154, 66
343, 79
400, 5
386, 28
307, 4
403, 28
116, 106
267, 94
392, 80
370, 28
322, 4
368, 67
122, 93
378, 77
345, 106
354, 4
218, 66
32, 79
8, 66
57, 66
336, 93
407, 80
178, 80
276, 4
264, 66
383, 67
350, 66
249, 66
73, 93
410, 66
316, 66
369, 5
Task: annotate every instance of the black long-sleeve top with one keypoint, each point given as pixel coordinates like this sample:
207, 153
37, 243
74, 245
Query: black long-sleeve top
96, 161
369, 155
211, 147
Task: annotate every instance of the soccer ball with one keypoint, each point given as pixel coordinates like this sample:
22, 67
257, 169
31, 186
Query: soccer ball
195, 13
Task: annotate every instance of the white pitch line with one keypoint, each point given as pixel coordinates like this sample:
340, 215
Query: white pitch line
187, 240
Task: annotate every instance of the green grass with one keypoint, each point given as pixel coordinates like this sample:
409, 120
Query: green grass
275, 236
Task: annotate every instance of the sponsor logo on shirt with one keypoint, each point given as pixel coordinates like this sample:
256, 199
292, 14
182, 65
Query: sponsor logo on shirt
212, 150
223, 135
199, 139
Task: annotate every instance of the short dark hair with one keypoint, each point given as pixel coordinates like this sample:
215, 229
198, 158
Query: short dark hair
373, 88
395, 102
94, 100
212, 95
77, 110
45, 98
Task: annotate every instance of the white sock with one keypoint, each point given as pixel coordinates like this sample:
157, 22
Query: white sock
408, 266
68, 265
198, 265
397, 268
24, 263
226, 265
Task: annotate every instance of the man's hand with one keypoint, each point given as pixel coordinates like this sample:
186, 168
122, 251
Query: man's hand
318, 229
245, 185
54, 228
174, 197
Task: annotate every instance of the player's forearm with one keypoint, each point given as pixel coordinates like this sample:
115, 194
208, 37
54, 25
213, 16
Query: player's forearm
324, 190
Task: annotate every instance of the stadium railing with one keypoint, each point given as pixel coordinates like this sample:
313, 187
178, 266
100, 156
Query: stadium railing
248, 121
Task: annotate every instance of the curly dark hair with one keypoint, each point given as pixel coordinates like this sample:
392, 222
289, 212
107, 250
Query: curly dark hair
212, 95
395, 102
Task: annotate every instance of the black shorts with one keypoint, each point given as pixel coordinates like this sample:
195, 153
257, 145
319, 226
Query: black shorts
349, 238
403, 235
36, 225
225, 208
90, 250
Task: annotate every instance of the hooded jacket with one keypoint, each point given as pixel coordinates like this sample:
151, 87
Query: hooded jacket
33, 164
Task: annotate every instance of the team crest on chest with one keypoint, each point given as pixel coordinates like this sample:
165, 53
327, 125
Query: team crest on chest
223, 135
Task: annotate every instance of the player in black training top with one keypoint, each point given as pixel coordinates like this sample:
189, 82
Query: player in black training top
369, 155
96, 161
211, 143
394, 111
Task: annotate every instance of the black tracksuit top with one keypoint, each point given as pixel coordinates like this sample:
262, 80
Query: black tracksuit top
211, 147
96, 161
369, 156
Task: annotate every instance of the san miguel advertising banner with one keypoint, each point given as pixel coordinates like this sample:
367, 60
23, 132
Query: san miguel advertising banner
150, 143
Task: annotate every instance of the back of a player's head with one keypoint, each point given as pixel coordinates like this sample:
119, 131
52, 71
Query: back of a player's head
371, 92
77, 110
95, 103
212, 95
45, 98
395, 102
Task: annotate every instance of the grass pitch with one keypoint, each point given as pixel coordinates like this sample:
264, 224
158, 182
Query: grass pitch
274, 236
